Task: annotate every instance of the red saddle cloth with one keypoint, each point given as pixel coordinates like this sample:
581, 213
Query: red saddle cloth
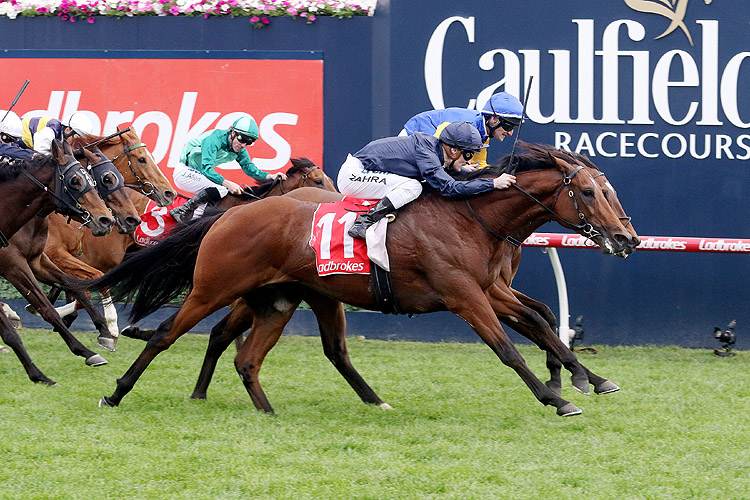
335, 251
156, 223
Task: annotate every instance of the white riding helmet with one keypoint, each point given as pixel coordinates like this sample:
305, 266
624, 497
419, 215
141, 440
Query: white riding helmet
79, 123
11, 124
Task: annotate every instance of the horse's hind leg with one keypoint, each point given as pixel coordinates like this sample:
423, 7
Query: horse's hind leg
271, 313
11, 337
192, 311
230, 327
601, 384
332, 324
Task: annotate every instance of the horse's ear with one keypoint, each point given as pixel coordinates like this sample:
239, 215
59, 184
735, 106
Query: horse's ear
57, 152
90, 156
67, 148
102, 156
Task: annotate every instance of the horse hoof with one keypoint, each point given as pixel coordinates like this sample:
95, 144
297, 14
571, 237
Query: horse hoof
606, 387
581, 384
30, 309
105, 402
569, 410
96, 360
385, 406
554, 387
4, 349
107, 343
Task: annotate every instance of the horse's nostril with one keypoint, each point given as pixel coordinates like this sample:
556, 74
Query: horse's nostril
132, 221
106, 221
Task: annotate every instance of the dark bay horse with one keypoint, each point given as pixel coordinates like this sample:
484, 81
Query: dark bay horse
81, 254
37, 187
23, 262
433, 268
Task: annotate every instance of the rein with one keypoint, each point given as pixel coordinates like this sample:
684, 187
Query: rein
277, 181
62, 205
586, 228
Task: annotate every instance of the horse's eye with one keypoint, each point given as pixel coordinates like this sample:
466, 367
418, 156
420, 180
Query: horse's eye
319, 182
108, 180
141, 160
76, 182
588, 193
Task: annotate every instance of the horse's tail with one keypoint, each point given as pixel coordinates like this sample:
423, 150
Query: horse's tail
158, 274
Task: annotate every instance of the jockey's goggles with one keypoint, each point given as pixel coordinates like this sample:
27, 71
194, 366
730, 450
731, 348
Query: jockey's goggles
7, 138
468, 154
507, 125
245, 139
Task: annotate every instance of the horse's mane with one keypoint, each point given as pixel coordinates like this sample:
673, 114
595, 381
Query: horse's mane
532, 157
265, 185
11, 168
80, 141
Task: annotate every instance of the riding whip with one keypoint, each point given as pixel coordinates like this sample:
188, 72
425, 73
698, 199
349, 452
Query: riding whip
18, 96
518, 130
119, 132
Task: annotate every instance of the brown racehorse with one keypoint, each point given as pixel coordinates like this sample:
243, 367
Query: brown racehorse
79, 253
23, 262
536, 319
542, 320
433, 268
39, 186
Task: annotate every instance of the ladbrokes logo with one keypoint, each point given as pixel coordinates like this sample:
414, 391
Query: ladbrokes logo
673, 10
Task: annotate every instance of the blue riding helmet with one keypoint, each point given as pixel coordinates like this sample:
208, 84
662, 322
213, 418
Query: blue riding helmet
505, 106
461, 135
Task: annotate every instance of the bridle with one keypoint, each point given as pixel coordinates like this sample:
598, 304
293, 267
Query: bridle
100, 170
145, 187
584, 227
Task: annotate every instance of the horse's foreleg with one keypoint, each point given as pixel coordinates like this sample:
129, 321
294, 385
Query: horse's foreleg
11, 337
476, 310
332, 324
23, 280
230, 327
601, 384
192, 311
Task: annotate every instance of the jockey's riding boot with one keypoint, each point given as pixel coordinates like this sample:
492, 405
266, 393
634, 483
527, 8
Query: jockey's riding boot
380, 210
207, 195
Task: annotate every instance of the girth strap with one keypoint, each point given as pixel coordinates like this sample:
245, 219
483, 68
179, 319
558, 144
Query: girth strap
382, 289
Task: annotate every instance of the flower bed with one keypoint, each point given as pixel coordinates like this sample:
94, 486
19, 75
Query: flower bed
259, 11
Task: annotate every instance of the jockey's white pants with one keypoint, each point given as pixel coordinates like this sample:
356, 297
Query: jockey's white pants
190, 180
355, 181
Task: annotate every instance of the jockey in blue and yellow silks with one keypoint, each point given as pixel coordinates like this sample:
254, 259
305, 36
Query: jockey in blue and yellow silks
39, 132
499, 116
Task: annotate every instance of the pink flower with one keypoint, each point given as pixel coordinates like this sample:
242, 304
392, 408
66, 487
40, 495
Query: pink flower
265, 21
90, 20
312, 18
174, 10
254, 19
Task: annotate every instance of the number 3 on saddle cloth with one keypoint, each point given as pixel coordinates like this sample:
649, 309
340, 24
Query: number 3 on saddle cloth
338, 253
156, 222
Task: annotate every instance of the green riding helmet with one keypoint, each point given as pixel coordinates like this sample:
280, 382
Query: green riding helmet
246, 126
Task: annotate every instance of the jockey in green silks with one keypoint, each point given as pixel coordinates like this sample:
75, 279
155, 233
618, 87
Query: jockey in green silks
196, 172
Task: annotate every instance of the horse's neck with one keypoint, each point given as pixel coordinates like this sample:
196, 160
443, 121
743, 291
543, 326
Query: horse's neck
509, 212
23, 199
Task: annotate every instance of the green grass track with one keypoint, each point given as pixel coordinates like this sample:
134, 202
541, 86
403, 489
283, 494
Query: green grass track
464, 427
